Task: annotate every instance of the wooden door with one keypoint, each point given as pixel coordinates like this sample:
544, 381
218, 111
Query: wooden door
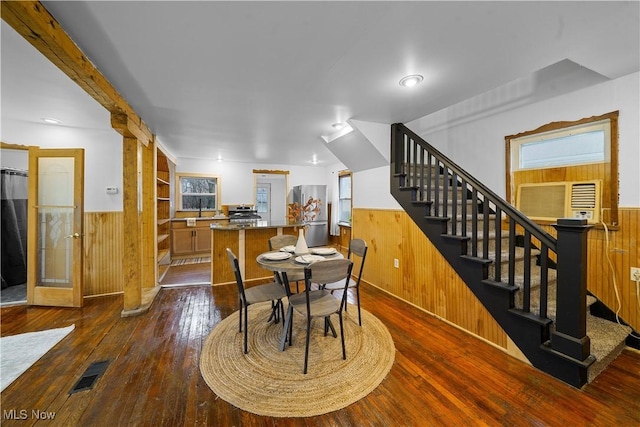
56, 228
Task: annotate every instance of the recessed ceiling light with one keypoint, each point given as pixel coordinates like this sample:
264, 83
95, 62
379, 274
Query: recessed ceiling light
51, 121
410, 81
337, 126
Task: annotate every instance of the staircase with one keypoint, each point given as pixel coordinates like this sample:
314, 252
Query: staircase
510, 264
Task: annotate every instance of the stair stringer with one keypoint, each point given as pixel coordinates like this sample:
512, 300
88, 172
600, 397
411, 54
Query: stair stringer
529, 332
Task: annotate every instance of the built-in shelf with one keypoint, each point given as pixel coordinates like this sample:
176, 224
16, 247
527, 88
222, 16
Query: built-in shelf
162, 255
163, 209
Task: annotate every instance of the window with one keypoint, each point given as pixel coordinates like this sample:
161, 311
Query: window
578, 145
344, 197
197, 192
578, 151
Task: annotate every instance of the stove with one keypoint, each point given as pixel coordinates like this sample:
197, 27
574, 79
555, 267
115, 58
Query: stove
243, 214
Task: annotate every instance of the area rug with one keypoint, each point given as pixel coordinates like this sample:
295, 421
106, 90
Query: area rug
185, 261
19, 352
269, 382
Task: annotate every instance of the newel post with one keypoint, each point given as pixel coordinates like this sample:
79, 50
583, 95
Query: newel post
397, 155
570, 336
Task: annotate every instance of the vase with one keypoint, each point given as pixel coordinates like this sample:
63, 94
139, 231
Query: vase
301, 245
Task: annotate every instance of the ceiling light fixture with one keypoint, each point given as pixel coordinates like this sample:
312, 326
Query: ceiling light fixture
337, 126
51, 121
410, 81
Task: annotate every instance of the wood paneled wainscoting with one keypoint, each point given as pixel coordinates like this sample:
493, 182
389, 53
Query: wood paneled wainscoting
427, 281
103, 251
423, 277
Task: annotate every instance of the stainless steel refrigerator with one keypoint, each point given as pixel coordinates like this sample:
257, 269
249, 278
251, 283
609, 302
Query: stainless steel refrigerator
317, 233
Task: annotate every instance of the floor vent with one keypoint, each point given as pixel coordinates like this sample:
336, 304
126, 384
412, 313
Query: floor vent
90, 376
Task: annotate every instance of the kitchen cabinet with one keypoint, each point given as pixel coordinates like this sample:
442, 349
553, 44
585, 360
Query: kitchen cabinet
190, 240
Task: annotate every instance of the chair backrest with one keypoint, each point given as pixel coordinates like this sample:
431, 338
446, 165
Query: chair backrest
277, 242
358, 247
235, 266
328, 271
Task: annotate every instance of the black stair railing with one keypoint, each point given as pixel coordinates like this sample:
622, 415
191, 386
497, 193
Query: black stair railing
474, 214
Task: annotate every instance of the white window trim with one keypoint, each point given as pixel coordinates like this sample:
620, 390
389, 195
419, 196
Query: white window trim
603, 125
217, 194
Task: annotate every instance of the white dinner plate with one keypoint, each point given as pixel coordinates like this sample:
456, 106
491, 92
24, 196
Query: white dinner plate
323, 251
277, 256
308, 259
289, 248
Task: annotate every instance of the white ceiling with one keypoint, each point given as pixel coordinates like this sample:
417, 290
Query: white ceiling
263, 81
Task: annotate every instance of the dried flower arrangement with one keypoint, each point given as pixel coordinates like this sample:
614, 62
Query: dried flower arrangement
304, 213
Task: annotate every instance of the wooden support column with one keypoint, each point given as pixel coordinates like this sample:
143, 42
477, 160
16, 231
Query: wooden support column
131, 204
33, 22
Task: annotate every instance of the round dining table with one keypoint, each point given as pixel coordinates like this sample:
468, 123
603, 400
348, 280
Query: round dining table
281, 264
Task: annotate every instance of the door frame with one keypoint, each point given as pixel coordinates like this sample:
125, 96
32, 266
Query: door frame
279, 180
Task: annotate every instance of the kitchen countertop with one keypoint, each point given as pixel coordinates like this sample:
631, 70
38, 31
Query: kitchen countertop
248, 225
204, 218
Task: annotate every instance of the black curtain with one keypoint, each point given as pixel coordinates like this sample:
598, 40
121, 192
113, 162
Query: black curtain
14, 227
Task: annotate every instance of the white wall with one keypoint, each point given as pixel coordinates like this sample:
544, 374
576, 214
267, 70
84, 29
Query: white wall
479, 146
16, 159
236, 179
103, 156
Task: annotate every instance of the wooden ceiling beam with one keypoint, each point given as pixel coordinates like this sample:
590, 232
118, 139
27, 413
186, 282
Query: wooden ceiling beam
130, 128
34, 22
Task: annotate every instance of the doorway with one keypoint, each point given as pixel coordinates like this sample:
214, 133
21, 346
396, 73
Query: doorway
263, 200
271, 190
15, 163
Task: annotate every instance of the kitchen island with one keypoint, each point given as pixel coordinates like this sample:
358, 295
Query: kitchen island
247, 241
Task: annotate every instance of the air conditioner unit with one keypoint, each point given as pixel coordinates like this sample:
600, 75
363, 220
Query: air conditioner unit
549, 201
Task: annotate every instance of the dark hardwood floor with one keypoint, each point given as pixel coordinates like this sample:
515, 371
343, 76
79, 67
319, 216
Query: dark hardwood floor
441, 375
188, 274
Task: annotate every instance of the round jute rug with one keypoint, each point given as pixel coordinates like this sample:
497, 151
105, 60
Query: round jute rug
269, 382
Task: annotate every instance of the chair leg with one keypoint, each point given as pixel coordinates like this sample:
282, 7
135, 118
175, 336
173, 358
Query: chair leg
306, 347
246, 329
358, 300
273, 313
240, 317
344, 350
286, 328
328, 325
282, 311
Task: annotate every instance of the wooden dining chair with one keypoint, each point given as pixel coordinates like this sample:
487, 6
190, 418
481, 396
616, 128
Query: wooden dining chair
357, 249
278, 242
320, 303
273, 292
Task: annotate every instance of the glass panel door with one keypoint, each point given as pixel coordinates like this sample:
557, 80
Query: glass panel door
263, 200
56, 230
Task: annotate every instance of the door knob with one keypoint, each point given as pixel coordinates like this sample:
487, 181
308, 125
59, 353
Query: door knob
74, 235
